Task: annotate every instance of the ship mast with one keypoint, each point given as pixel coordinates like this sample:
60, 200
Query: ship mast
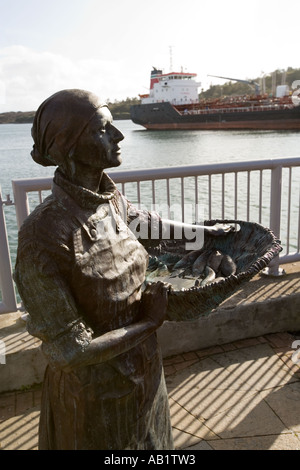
171, 58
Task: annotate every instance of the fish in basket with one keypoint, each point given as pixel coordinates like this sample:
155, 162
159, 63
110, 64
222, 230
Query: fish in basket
202, 279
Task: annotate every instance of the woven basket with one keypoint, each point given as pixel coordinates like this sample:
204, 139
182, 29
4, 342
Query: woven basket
252, 248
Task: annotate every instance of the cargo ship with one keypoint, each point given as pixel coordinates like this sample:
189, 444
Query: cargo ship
173, 103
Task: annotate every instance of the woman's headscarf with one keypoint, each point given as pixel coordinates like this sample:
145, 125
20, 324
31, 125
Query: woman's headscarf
59, 122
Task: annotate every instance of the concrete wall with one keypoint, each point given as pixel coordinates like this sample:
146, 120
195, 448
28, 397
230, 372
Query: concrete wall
231, 324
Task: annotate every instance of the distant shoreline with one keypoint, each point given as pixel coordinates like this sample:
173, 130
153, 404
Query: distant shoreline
17, 117
26, 117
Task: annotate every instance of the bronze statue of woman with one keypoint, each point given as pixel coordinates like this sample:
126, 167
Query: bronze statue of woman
80, 272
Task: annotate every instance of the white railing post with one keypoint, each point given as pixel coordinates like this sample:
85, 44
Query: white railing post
275, 214
9, 301
21, 202
275, 202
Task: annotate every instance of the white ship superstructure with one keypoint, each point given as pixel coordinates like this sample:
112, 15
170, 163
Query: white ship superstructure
177, 88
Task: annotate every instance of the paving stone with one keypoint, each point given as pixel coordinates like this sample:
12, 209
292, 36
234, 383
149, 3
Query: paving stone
184, 440
228, 347
24, 401
257, 367
169, 370
262, 339
287, 359
285, 402
37, 397
202, 445
205, 404
20, 432
248, 417
173, 360
244, 343
209, 351
7, 405
272, 442
184, 421
189, 356
206, 373
185, 364
196, 372
280, 340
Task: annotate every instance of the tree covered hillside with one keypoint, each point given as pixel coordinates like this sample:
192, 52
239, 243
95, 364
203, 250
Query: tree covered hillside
119, 110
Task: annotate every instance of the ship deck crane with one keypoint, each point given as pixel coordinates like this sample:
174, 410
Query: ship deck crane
249, 82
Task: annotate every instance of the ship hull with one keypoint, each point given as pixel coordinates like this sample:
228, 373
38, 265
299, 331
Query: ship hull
164, 116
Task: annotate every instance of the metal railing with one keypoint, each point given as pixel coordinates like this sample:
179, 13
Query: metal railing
263, 191
9, 301
240, 109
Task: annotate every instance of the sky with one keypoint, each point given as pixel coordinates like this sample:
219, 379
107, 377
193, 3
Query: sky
109, 47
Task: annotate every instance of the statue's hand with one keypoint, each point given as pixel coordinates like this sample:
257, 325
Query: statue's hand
220, 229
154, 302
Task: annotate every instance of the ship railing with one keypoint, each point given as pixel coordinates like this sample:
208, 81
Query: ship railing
262, 191
237, 109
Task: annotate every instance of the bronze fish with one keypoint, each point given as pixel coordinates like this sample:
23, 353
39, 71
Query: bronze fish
209, 274
214, 260
187, 260
199, 264
227, 266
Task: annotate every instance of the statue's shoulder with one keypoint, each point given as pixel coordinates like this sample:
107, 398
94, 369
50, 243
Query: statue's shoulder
49, 217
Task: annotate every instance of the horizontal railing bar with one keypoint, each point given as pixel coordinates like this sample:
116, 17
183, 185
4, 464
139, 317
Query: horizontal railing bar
173, 172
197, 170
288, 258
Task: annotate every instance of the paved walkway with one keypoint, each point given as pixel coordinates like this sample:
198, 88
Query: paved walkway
242, 395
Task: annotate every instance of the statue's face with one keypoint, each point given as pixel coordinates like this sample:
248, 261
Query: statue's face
98, 145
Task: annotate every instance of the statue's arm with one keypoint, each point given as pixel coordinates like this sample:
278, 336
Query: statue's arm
148, 226
172, 227
153, 307
67, 341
